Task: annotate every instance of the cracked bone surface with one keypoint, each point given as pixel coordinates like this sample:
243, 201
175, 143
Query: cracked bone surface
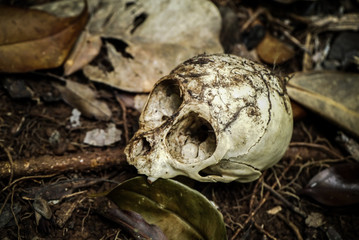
213, 118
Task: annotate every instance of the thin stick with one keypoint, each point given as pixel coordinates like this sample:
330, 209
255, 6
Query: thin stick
255, 190
264, 199
261, 229
291, 225
252, 18
251, 215
285, 201
13, 213
313, 145
25, 178
84, 219
60, 164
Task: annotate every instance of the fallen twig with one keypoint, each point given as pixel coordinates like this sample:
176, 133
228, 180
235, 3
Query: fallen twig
24, 178
255, 190
317, 146
262, 230
251, 215
13, 213
292, 226
59, 164
263, 200
285, 201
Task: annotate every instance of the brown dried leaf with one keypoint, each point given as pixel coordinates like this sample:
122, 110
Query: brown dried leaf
333, 95
32, 39
273, 51
85, 50
136, 101
83, 98
159, 35
335, 186
133, 222
150, 62
181, 212
298, 111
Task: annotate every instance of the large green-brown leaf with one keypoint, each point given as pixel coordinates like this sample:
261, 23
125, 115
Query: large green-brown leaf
334, 95
181, 212
32, 39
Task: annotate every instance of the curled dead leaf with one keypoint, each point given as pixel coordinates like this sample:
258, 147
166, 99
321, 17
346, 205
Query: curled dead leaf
139, 72
179, 211
131, 221
31, 39
273, 51
158, 35
335, 186
84, 98
85, 50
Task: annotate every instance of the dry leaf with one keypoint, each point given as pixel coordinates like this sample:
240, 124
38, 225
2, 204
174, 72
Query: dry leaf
273, 51
159, 34
17, 88
85, 50
275, 210
161, 21
315, 220
131, 221
179, 211
32, 39
299, 112
335, 186
150, 62
348, 144
83, 98
135, 101
7, 214
334, 95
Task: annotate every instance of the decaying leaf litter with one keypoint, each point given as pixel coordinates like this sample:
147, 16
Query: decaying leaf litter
40, 131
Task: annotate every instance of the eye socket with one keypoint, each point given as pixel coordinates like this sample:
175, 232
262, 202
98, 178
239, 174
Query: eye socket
191, 140
163, 102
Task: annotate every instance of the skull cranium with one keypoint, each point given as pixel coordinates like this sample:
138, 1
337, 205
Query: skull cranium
213, 118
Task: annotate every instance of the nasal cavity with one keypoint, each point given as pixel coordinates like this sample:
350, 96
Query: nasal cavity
141, 147
191, 140
163, 102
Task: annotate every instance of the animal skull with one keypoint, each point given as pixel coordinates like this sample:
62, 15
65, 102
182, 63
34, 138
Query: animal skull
213, 118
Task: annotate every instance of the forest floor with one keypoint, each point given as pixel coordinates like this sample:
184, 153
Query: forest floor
268, 208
